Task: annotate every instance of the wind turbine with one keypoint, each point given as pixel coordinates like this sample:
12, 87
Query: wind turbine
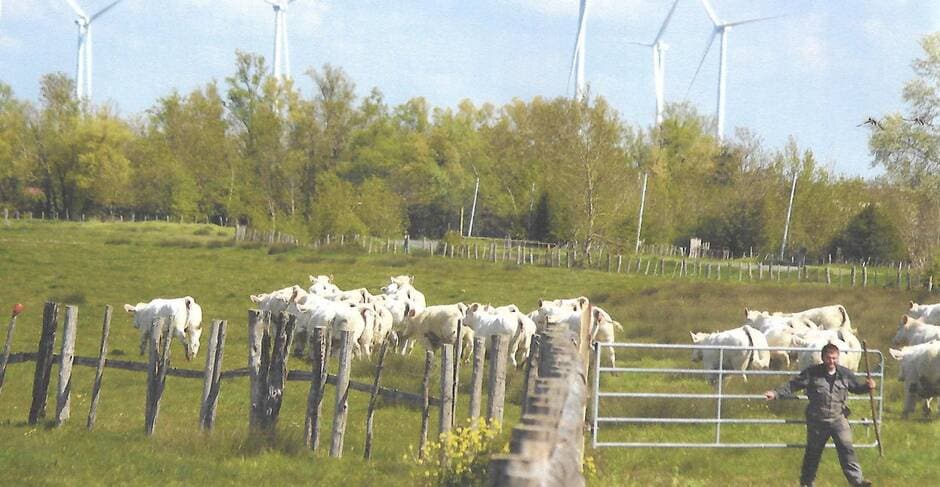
577, 61
84, 64
659, 64
721, 28
281, 50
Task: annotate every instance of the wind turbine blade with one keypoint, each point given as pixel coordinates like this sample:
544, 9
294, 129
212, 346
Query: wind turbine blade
644, 44
662, 29
711, 13
750, 21
102, 11
76, 8
290, 1
701, 62
273, 4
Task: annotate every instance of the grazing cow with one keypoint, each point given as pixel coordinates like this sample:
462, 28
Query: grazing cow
920, 371
832, 317
745, 359
913, 331
315, 312
433, 325
323, 285
184, 317
779, 331
521, 343
929, 313
843, 339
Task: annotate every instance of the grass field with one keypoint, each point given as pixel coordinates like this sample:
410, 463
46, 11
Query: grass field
94, 264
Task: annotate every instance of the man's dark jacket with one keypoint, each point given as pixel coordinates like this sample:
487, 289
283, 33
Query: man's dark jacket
827, 402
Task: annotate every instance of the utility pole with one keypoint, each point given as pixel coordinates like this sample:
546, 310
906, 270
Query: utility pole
639, 224
786, 226
473, 208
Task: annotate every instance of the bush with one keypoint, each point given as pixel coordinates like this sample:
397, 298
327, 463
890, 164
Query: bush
870, 234
461, 456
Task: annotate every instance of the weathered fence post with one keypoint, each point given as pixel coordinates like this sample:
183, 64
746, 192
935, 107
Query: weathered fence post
853, 275
283, 331
63, 403
499, 351
212, 381
619, 263
99, 369
426, 404
259, 342
50, 314
367, 451
342, 394
8, 345
446, 416
864, 276
476, 378
317, 387
531, 370
159, 347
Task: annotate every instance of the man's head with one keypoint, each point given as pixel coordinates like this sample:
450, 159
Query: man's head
830, 355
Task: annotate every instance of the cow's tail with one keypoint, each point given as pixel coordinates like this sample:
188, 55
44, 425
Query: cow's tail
618, 325
750, 351
845, 315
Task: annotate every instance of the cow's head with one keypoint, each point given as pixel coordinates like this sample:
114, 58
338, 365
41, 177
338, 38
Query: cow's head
192, 331
902, 336
696, 339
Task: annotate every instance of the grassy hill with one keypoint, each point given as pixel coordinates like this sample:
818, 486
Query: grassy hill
94, 264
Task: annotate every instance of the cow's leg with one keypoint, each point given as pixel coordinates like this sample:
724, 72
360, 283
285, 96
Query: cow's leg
144, 338
613, 357
909, 400
927, 406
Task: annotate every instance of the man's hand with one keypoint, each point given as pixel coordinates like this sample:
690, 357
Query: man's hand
770, 395
871, 383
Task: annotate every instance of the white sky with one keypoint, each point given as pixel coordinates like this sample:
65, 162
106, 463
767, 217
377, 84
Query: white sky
814, 74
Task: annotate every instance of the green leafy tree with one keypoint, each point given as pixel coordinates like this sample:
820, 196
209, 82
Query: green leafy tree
870, 234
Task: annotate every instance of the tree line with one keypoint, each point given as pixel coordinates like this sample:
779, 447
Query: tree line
255, 150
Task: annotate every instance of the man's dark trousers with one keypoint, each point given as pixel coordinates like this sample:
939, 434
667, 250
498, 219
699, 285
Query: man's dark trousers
817, 433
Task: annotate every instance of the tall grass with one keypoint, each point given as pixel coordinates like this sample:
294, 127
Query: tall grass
94, 264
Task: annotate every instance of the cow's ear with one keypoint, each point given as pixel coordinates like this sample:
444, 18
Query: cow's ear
583, 301
411, 313
746, 311
597, 314
912, 305
312, 278
474, 306
540, 303
692, 334
411, 279
905, 319
255, 298
331, 278
188, 301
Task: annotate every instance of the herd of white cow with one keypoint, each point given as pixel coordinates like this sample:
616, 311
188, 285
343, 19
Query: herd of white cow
400, 314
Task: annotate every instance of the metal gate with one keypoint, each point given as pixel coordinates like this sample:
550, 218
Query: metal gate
719, 396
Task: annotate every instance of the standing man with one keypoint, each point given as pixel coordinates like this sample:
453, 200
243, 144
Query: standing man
827, 386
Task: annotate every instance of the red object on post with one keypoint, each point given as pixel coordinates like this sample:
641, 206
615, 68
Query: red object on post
17, 309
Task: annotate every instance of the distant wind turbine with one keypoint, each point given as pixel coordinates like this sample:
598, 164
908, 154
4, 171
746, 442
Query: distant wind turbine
84, 60
577, 61
721, 28
659, 64
281, 49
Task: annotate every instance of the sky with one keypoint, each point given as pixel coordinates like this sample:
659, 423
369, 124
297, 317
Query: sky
814, 74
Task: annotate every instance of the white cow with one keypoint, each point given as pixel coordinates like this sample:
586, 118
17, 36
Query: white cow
316, 312
184, 317
602, 331
360, 295
920, 371
433, 325
779, 331
487, 321
913, 331
831, 317
745, 359
929, 313
323, 285
278, 301
403, 287
843, 339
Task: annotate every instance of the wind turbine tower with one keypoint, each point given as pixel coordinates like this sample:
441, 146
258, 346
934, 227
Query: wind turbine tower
721, 28
281, 49
659, 64
577, 63
84, 60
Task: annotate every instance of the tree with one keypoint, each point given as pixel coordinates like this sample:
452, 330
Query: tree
870, 234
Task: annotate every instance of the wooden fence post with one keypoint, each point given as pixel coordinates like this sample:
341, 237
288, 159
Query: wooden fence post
50, 314
283, 330
258, 358
864, 276
426, 395
531, 371
476, 378
342, 395
499, 351
446, 416
63, 404
159, 347
853, 275
317, 387
99, 369
7, 346
367, 451
213, 374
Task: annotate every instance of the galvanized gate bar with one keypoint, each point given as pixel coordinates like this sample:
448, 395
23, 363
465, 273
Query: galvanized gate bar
718, 420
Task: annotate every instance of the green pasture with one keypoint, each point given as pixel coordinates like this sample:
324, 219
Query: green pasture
95, 264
